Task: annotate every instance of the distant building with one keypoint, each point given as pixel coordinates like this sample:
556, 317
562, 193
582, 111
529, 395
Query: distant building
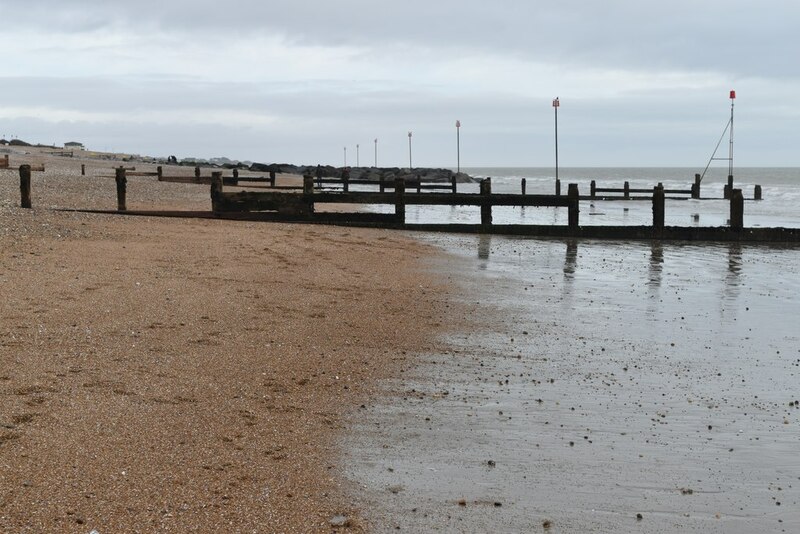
74, 145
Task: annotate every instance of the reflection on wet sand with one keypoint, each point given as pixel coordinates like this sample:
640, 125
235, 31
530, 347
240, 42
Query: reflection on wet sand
484, 247
656, 262
571, 259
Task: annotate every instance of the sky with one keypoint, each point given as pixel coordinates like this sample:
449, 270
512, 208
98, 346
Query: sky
640, 82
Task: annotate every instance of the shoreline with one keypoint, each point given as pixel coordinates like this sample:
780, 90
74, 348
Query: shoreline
172, 375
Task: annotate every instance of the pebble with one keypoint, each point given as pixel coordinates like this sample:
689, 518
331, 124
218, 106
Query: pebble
339, 521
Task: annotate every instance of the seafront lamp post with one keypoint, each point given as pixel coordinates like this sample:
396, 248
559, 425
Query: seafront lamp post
358, 160
458, 147
556, 105
409, 151
376, 152
730, 147
345, 157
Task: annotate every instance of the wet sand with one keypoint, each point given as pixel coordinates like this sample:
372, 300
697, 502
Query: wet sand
168, 375
600, 387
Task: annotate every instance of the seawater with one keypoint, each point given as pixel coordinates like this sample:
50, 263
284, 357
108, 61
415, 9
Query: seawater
780, 187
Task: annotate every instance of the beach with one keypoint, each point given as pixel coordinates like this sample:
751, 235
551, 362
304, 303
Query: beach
173, 375
180, 375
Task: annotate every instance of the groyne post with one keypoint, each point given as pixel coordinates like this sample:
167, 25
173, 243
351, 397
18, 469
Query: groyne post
523, 183
159, 172
593, 189
216, 190
757, 193
346, 182
235, 176
4, 162
626, 190
382, 185
696, 186
574, 206
737, 209
558, 187
83, 169
399, 200
25, 186
197, 173
728, 192
658, 207
419, 183
486, 206
308, 192
122, 185
272, 178
453, 184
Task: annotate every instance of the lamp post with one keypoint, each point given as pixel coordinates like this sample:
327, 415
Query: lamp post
376, 152
458, 147
730, 146
345, 157
556, 105
409, 152
358, 161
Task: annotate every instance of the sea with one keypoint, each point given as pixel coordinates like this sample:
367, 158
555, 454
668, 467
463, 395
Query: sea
599, 386
780, 190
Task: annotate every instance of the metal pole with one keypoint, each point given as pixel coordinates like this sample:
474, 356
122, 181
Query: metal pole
556, 105
358, 160
409, 152
458, 146
730, 148
376, 152
345, 157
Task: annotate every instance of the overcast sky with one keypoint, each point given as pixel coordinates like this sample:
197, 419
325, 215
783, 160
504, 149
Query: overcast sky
641, 83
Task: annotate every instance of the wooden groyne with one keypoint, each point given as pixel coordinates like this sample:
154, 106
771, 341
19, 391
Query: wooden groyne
301, 206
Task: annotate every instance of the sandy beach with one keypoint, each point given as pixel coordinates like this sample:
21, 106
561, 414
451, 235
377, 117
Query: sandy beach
171, 375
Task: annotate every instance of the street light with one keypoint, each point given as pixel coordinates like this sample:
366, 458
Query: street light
358, 161
409, 151
376, 152
345, 157
458, 146
556, 105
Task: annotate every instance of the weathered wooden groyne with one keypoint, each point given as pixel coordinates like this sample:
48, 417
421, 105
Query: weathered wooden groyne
301, 205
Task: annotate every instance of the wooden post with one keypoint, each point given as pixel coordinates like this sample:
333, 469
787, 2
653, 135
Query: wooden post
160, 172
346, 182
486, 206
737, 209
696, 186
593, 189
574, 207
757, 193
216, 190
558, 187
382, 185
453, 184
658, 207
25, 186
626, 190
308, 192
728, 191
122, 182
197, 173
308, 184
4, 162
399, 200
523, 185
419, 183
235, 176
83, 169
272, 178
